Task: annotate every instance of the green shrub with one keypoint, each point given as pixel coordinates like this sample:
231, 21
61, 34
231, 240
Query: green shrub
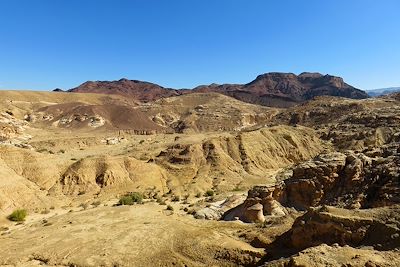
126, 200
136, 197
131, 199
209, 193
17, 215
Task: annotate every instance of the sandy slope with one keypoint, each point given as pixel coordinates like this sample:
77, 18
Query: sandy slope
140, 235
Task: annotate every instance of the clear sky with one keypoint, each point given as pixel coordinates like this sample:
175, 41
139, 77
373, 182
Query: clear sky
46, 44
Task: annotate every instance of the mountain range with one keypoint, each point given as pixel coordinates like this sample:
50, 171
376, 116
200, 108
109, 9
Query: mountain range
383, 91
269, 89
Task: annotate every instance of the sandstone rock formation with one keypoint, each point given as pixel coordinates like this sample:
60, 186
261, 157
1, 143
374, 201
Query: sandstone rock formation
110, 174
217, 209
378, 228
226, 161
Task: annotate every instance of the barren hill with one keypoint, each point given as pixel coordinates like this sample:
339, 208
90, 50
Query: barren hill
138, 90
270, 89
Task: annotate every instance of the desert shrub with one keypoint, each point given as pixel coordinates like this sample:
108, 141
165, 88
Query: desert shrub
17, 215
191, 211
161, 201
237, 188
176, 198
126, 200
136, 197
96, 203
45, 211
209, 193
131, 199
84, 205
198, 195
169, 207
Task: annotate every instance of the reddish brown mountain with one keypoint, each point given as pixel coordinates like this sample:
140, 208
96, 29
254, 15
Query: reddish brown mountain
270, 89
139, 90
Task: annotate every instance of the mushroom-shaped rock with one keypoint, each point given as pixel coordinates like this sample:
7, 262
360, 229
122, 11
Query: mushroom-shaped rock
273, 207
254, 213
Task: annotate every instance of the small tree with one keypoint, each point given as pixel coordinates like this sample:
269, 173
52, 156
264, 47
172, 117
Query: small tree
17, 215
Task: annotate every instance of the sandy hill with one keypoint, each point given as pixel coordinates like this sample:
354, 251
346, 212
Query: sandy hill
199, 112
202, 112
270, 89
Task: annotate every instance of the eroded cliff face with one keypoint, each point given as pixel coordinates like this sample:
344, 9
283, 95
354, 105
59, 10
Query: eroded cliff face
348, 124
348, 180
224, 162
336, 228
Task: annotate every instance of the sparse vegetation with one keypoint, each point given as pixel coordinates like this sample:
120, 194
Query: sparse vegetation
169, 207
209, 193
161, 201
45, 211
84, 205
96, 203
175, 198
126, 200
18, 215
42, 150
131, 199
237, 188
4, 228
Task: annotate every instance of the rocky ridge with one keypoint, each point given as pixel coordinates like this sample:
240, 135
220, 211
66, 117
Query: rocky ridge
269, 89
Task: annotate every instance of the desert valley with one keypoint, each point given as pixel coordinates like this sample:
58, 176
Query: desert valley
286, 170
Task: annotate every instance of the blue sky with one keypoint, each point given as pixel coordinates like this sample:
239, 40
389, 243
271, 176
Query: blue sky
46, 44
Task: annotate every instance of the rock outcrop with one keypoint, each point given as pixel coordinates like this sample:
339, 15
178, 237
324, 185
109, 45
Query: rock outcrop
346, 180
378, 228
349, 180
258, 204
224, 162
110, 174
